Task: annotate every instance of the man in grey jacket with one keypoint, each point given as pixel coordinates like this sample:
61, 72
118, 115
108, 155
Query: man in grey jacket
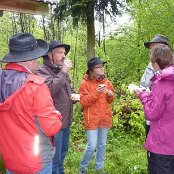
147, 83
55, 69
149, 72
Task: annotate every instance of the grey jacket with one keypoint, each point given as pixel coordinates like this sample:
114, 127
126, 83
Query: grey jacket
60, 88
146, 78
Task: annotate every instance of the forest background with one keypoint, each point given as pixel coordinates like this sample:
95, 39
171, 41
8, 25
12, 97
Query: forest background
126, 57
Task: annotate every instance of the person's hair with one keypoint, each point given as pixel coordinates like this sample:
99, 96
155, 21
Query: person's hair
162, 55
90, 74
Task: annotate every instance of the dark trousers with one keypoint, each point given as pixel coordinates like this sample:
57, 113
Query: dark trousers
147, 129
150, 158
161, 164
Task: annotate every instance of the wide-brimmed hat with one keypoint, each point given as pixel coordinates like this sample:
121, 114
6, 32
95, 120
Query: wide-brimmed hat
24, 47
159, 38
94, 61
56, 43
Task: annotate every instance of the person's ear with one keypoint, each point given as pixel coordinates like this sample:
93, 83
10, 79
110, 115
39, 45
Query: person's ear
50, 56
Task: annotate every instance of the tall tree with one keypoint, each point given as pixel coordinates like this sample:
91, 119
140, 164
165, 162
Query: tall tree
86, 11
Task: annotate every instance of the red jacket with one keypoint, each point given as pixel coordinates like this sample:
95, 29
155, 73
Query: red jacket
96, 109
27, 119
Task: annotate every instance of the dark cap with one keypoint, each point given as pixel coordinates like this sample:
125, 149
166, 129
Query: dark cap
94, 61
159, 38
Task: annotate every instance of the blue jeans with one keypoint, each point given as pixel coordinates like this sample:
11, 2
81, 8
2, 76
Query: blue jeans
96, 140
46, 170
62, 145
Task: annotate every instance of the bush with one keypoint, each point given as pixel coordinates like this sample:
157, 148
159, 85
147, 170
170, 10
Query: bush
128, 114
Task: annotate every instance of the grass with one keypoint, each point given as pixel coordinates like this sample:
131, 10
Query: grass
125, 154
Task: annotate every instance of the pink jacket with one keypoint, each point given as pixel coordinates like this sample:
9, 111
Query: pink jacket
159, 109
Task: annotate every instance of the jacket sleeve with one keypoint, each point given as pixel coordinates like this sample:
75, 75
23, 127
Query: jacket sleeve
110, 87
54, 82
87, 97
48, 117
146, 78
153, 103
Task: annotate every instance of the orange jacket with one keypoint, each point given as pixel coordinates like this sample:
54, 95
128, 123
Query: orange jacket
96, 110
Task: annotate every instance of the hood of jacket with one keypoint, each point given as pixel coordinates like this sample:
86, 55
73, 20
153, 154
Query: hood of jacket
167, 74
11, 79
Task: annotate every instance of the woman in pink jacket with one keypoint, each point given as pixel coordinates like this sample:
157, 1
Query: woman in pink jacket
159, 109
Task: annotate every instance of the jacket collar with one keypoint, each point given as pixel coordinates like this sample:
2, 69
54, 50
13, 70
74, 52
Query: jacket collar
86, 77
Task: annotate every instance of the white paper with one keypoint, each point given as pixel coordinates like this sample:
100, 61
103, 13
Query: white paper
133, 87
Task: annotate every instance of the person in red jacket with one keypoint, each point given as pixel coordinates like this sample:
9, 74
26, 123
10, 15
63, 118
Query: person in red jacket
96, 95
28, 117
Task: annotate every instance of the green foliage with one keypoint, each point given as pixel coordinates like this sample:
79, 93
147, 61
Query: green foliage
126, 61
78, 9
2, 168
126, 55
128, 113
153, 17
5, 32
77, 39
84, 11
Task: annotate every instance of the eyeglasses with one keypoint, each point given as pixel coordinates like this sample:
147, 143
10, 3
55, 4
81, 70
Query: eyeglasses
99, 66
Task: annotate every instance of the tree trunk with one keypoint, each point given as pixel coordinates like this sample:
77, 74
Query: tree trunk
104, 46
90, 30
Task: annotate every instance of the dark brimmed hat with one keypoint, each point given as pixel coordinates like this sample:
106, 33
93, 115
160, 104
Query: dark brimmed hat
94, 61
24, 47
56, 43
157, 39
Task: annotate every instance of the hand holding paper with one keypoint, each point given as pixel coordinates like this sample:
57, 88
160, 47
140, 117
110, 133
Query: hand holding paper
136, 88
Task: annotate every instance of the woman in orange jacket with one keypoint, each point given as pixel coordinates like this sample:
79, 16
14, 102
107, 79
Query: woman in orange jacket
96, 95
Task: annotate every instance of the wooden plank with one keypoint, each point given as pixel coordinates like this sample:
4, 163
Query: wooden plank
24, 6
53, 2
